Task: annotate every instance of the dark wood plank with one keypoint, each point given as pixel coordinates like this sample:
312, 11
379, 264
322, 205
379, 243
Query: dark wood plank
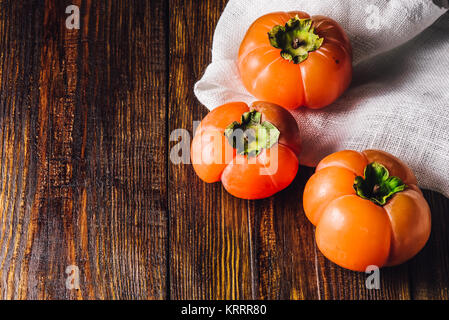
83, 156
220, 246
429, 270
23, 145
285, 259
339, 283
210, 246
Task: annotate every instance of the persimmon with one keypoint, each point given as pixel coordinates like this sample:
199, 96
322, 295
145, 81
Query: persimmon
367, 209
253, 150
293, 60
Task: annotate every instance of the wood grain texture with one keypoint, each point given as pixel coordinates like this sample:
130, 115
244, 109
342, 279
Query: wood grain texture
429, 270
86, 130
286, 257
83, 160
283, 261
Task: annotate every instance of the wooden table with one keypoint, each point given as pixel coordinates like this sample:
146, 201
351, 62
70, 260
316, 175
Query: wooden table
85, 176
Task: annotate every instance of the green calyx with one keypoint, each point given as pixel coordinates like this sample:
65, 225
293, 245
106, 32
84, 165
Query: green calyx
251, 136
377, 185
296, 39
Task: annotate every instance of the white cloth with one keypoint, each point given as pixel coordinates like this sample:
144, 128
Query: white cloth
399, 97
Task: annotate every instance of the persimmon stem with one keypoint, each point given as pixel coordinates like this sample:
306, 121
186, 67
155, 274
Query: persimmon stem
376, 185
250, 136
296, 39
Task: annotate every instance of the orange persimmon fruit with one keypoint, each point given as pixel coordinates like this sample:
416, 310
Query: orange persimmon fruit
253, 150
367, 209
293, 60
